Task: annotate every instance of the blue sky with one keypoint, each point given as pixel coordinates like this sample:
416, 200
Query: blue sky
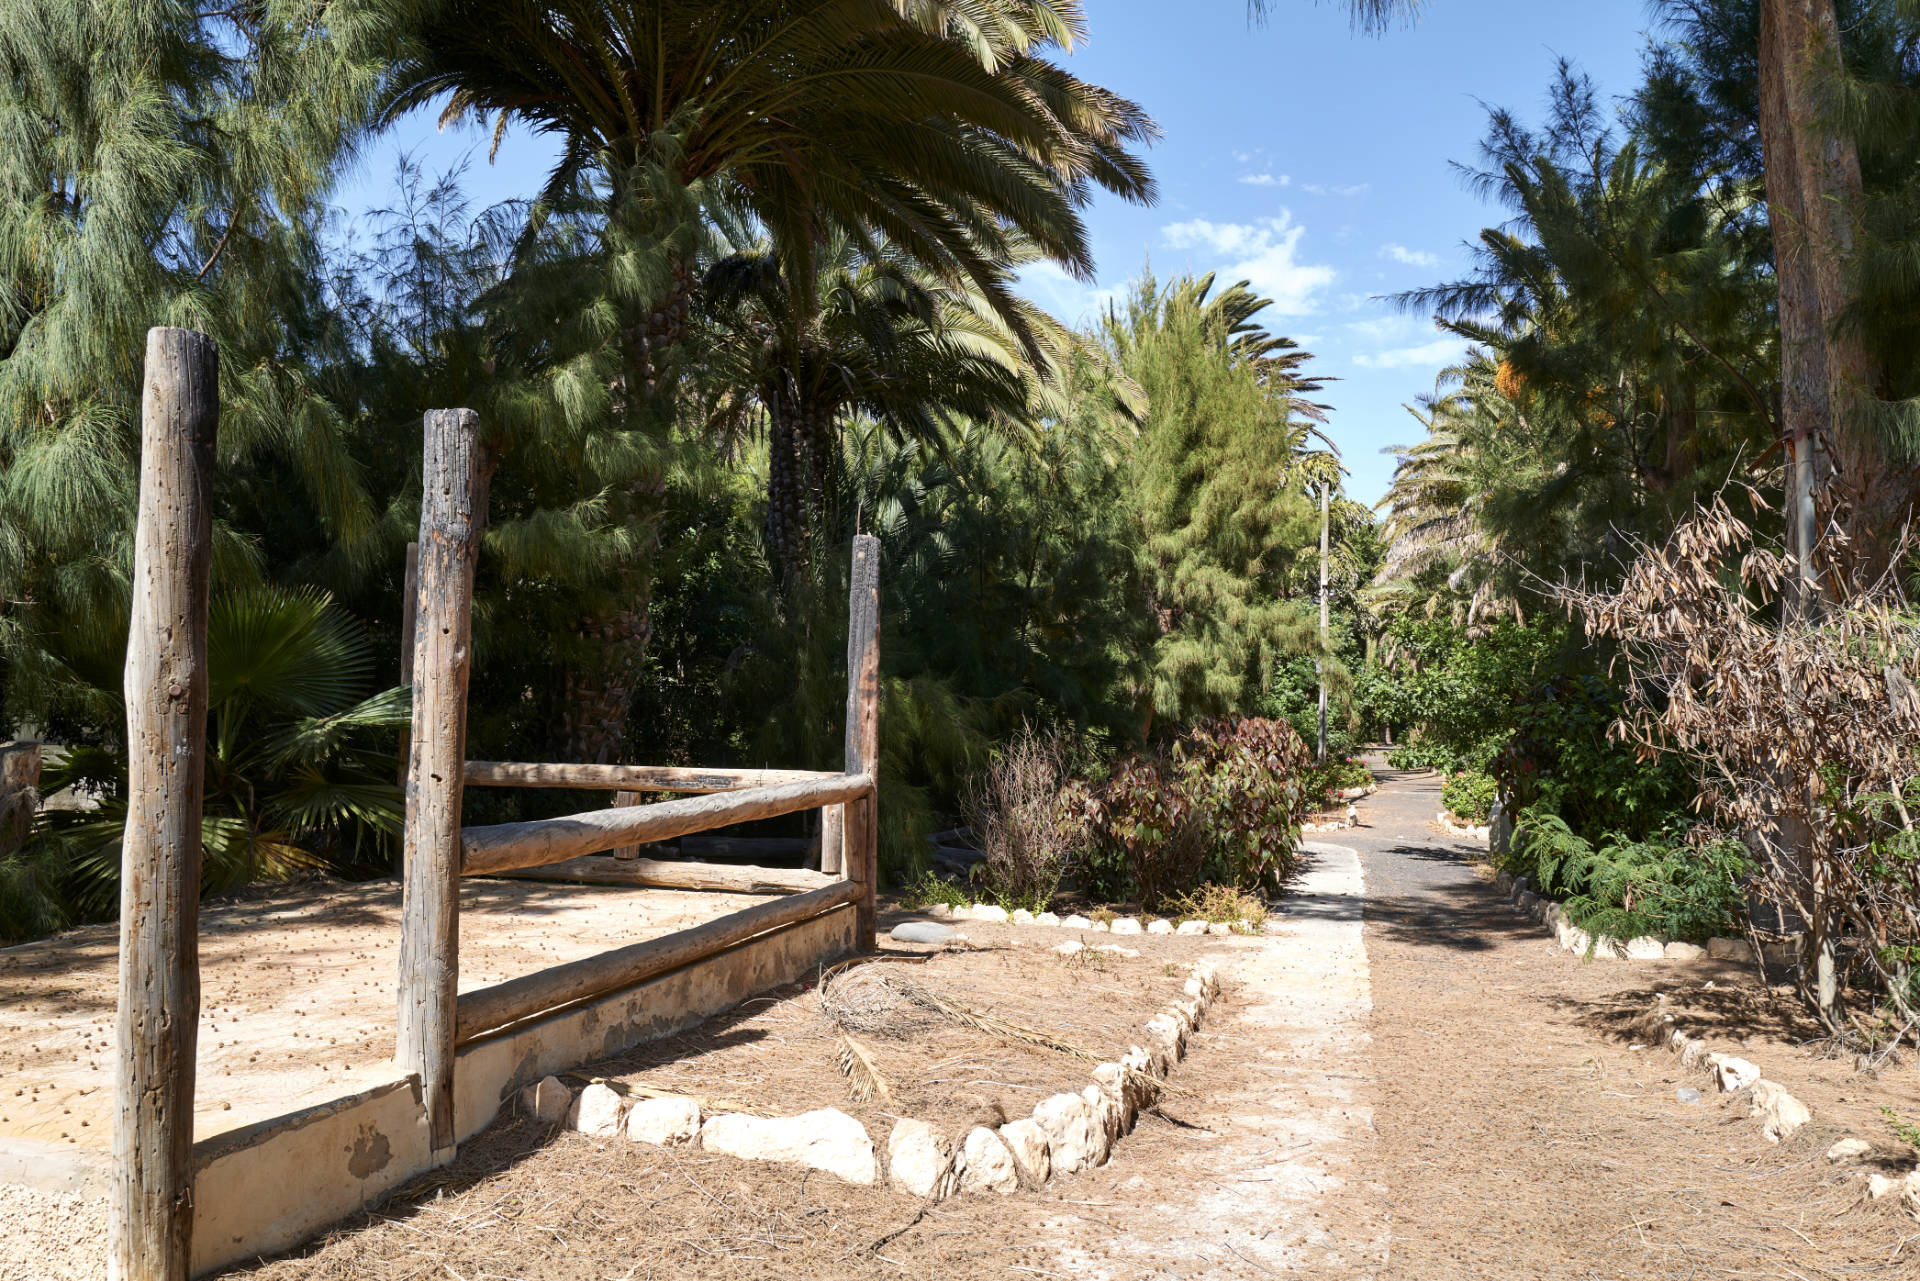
1298, 155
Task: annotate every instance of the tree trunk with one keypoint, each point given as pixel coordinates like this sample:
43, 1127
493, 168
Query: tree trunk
601, 685
1805, 424
1805, 59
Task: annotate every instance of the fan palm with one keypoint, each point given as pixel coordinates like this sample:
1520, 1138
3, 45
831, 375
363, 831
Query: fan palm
295, 780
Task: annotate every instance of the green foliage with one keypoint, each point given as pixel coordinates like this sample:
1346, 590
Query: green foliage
1424, 755
1322, 782
1223, 803
299, 775
927, 890
1215, 526
1562, 755
1459, 689
1469, 794
1675, 884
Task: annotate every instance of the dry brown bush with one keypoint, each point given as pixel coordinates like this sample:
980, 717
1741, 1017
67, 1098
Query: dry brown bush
1805, 733
1015, 810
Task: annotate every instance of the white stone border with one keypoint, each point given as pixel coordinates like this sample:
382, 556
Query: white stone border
1519, 893
1780, 1114
994, 915
1066, 1134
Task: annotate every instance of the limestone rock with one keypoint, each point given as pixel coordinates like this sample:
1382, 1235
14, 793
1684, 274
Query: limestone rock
1112, 1080
1695, 1053
922, 932
1646, 948
1191, 927
917, 1159
1070, 947
1158, 926
667, 1122
1606, 947
1848, 1150
1678, 951
1729, 950
1077, 922
1126, 925
1880, 1185
1021, 916
1781, 1115
1204, 971
548, 1099
1167, 1031
1028, 1143
1105, 1112
1100, 927
1220, 927
986, 1164
1734, 1074
1046, 918
1195, 989
989, 913
1068, 1124
1114, 949
1188, 1010
825, 1139
596, 1111
940, 909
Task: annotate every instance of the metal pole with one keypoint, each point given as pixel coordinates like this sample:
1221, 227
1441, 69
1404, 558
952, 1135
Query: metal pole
1320, 667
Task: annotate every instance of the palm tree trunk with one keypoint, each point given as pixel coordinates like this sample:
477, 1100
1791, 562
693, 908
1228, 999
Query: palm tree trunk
786, 528
600, 684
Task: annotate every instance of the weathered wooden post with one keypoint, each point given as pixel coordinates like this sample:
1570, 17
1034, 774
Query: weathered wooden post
409, 615
862, 817
19, 793
151, 1217
450, 525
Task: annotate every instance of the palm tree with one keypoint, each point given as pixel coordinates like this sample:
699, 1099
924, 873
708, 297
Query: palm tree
918, 134
807, 116
873, 336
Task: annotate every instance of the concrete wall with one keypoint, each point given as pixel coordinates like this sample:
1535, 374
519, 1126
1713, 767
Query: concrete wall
266, 1188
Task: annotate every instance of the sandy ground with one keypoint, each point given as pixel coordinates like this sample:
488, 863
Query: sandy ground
297, 993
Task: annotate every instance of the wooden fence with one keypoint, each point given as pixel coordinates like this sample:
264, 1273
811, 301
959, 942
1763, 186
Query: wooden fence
166, 682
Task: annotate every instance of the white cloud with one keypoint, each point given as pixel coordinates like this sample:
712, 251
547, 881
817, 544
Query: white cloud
1411, 257
1441, 351
1321, 189
1266, 179
1265, 252
1074, 301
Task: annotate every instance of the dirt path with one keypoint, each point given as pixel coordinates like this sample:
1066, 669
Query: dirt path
1520, 1137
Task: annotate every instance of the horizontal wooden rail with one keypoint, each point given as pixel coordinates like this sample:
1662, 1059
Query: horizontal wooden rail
631, 778
490, 1008
665, 874
535, 843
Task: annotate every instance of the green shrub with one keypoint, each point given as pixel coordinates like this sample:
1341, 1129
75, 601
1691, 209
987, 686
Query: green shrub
1222, 804
1323, 781
1421, 755
1675, 884
929, 890
1469, 794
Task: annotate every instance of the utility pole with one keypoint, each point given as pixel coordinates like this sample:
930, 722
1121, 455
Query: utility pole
1320, 664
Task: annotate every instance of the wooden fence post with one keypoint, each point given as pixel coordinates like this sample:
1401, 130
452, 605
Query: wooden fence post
862, 817
450, 528
150, 1229
409, 616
